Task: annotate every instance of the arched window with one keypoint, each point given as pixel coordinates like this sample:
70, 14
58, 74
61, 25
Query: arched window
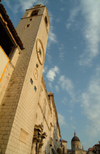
46, 21
34, 13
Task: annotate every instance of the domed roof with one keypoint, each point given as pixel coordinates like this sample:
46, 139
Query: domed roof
75, 138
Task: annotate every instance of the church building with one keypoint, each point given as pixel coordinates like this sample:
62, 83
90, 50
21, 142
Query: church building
76, 146
28, 115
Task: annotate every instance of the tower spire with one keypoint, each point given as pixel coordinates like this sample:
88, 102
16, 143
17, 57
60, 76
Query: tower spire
74, 133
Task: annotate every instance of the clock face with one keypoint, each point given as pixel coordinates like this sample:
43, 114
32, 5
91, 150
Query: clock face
35, 74
40, 51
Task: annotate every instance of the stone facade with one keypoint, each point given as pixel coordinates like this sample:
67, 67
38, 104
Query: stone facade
28, 116
64, 145
46, 116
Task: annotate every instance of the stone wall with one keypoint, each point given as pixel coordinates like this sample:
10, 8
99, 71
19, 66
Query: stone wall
47, 116
18, 109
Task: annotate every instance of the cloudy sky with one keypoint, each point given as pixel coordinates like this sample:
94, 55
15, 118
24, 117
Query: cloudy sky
72, 63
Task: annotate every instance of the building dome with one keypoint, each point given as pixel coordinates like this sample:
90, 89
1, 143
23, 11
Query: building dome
75, 142
75, 138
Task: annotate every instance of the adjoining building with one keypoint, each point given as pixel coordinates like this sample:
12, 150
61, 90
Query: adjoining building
64, 146
28, 115
95, 149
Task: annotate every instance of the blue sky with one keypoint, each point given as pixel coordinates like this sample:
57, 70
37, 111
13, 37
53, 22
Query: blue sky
72, 63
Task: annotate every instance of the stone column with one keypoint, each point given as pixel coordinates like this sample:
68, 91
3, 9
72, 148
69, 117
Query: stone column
37, 148
34, 148
40, 148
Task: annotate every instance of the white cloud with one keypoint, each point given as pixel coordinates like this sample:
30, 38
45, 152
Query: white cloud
57, 20
70, 111
57, 88
91, 13
64, 100
62, 9
8, 4
71, 118
75, 47
67, 85
61, 53
27, 4
50, 85
16, 6
52, 36
61, 119
68, 25
49, 57
52, 73
23, 4
91, 104
50, 17
73, 14
45, 69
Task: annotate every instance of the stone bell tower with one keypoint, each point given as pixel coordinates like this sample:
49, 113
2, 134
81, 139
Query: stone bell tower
19, 104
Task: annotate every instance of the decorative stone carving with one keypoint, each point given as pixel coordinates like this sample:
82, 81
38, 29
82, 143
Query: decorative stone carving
38, 137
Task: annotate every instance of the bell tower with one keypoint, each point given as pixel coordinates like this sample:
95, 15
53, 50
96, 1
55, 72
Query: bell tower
18, 109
